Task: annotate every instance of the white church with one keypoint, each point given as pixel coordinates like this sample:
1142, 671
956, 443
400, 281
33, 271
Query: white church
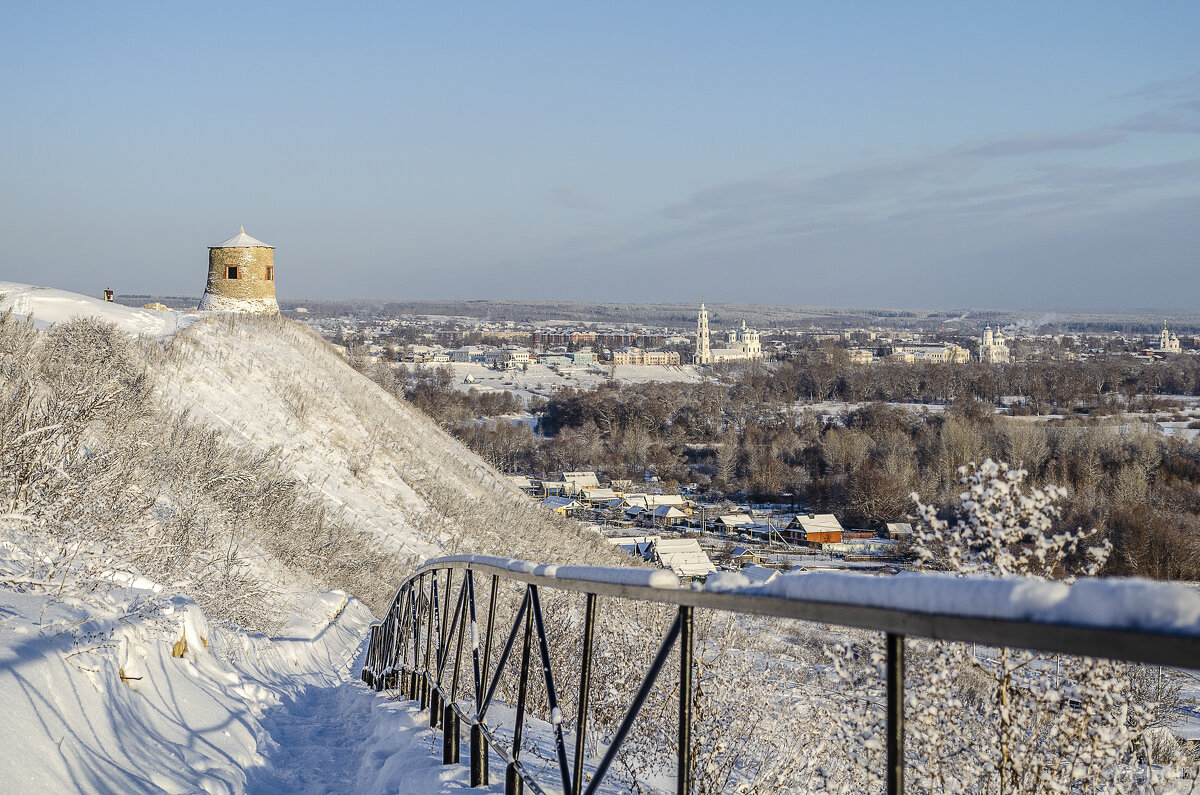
1168, 342
994, 348
739, 344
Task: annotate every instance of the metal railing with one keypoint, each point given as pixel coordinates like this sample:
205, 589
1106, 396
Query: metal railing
410, 650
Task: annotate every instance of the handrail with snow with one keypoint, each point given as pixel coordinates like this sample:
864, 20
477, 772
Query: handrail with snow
1134, 620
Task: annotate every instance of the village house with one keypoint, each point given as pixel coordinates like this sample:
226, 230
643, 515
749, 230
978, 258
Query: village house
563, 506
641, 546
732, 521
598, 497
668, 516
758, 575
652, 501
525, 484
742, 556
684, 557
814, 529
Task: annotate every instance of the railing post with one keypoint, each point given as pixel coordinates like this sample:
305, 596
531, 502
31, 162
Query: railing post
585, 682
479, 749
683, 778
895, 714
449, 735
431, 607
479, 756
450, 721
512, 778
491, 625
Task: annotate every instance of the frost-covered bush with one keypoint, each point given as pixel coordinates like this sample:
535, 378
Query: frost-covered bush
1003, 528
1004, 720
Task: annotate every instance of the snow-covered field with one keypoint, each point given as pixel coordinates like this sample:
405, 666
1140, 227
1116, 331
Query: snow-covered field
542, 380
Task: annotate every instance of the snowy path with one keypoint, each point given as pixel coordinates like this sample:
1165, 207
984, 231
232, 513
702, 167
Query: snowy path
348, 738
318, 740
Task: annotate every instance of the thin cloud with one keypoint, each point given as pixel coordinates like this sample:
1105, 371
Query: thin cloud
1178, 111
1022, 145
1186, 122
1188, 85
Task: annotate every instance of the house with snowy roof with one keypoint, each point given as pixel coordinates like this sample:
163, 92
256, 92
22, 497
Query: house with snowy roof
814, 529
641, 546
581, 480
731, 521
563, 506
759, 575
684, 557
668, 515
597, 498
741, 556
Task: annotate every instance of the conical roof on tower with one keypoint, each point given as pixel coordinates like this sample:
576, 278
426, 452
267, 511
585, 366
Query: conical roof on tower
242, 240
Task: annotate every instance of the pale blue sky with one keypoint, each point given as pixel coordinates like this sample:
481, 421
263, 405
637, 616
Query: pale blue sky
1023, 155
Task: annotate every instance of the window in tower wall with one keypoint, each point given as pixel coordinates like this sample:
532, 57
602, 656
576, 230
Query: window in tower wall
270, 273
231, 272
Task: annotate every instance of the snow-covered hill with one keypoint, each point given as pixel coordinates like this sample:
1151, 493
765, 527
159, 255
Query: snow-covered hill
211, 476
46, 305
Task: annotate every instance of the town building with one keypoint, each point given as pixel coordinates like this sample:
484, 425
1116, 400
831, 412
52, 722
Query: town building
860, 355
510, 357
639, 356
468, 353
994, 348
947, 353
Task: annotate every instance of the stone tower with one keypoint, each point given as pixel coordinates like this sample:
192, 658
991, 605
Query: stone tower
241, 276
703, 348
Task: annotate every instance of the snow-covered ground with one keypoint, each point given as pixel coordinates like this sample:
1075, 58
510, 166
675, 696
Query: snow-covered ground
130, 690
47, 305
542, 380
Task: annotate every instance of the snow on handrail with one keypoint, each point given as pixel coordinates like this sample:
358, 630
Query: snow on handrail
600, 575
1120, 618
1126, 603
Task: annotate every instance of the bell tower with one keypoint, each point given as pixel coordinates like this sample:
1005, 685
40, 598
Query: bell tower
703, 348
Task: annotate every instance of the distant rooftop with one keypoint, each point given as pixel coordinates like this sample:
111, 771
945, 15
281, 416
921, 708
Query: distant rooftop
242, 240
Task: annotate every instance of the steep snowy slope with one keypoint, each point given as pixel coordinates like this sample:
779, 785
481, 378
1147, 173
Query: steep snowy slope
384, 466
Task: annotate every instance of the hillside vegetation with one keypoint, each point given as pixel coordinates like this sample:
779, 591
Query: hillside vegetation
240, 461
